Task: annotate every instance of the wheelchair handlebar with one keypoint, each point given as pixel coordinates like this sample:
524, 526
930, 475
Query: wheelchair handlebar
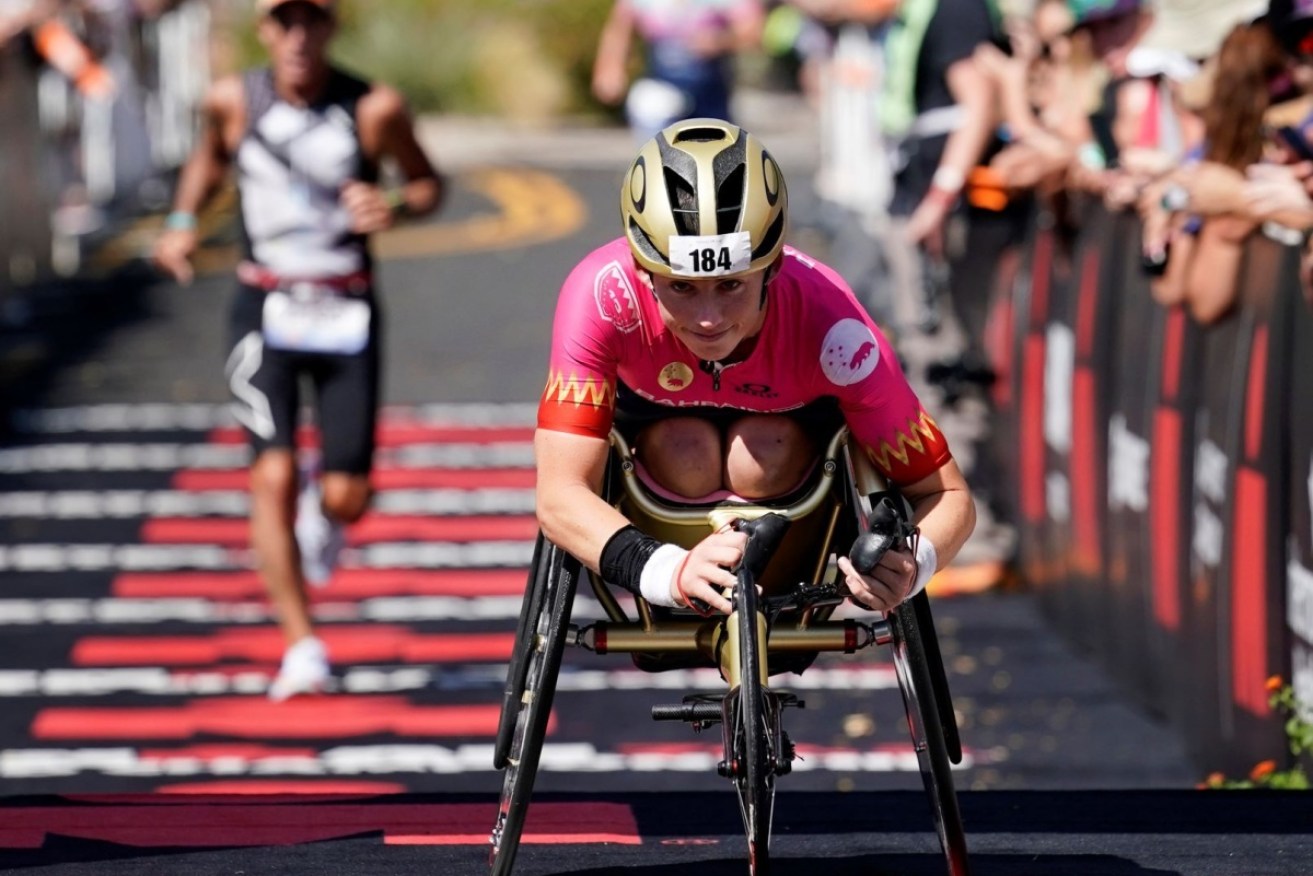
889, 526
764, 537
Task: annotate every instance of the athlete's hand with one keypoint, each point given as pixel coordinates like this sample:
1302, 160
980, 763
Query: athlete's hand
887, 586
173, 253
705, 574
368, 207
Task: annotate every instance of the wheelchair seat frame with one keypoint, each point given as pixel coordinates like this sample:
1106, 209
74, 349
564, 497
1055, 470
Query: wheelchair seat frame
781, 629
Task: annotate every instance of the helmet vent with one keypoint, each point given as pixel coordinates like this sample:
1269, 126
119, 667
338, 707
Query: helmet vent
729, 201
683, 203
700, 135
770, 238
638, 237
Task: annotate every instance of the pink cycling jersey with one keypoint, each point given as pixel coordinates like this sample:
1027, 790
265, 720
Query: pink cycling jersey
817, 342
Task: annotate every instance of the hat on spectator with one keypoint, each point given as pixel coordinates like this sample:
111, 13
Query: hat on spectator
1196, 28
1291, 21
1089, 11
267, 6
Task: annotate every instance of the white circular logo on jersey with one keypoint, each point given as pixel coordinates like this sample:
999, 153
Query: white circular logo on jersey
850, 352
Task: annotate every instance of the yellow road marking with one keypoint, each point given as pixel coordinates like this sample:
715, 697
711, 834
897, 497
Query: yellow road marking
532, 207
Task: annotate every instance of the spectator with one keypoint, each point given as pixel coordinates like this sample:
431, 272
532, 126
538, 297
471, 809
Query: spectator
938, 110
689, 71
307, 140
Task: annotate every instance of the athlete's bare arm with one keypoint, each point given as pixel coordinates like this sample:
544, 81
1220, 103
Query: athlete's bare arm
387, 131
943, 509
223, 117
573, 515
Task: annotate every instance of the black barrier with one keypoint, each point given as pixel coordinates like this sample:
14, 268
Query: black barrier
1074, 444
25, 200
1268, 284
1299, 546
1132, 377
1155, 464
1044, 266
1178, 353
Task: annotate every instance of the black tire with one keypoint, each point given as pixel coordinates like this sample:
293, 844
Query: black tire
530, 607
938, 676
916, 680
755, 777
542, 665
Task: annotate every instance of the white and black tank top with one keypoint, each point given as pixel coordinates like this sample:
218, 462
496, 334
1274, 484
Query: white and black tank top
292, 164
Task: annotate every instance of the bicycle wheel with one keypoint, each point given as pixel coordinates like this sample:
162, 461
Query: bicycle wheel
754, 776
530, 607
543, 664
916, 681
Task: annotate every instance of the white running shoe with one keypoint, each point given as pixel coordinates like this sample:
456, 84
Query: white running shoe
319, 539
304, 670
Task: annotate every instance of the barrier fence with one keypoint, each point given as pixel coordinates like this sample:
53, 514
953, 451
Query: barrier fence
25, 191
1162, 473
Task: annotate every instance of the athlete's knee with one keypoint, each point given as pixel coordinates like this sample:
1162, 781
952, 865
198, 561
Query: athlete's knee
768, 455
346, 496
683, 454
273, 476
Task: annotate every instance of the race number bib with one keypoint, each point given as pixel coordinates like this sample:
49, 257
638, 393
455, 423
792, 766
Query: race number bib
711, 256
312, 318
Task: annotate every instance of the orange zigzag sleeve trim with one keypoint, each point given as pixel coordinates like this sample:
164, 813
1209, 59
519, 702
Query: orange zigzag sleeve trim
917, 451
583, 405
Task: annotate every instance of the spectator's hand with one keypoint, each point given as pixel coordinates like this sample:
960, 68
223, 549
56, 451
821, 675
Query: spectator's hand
926, 226
1147, 164
1123, 191
368, 207
173, 253
887, 586
1278, 192
610, 83
705, 573
1214, 188
1027, 163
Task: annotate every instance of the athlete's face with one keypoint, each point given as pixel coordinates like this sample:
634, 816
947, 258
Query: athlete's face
296, 36
712, 316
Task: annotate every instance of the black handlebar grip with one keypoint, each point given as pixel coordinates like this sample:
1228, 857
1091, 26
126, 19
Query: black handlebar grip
868, 549
886, 525
764, 536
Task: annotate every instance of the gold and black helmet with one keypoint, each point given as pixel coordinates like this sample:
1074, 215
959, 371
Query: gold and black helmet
704, 199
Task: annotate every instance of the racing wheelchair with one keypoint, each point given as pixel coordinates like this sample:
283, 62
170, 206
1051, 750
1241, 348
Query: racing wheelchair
791, 552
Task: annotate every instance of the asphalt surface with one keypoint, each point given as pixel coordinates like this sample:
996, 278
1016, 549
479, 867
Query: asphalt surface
143, 672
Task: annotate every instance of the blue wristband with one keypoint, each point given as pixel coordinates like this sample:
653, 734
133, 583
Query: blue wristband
180, 221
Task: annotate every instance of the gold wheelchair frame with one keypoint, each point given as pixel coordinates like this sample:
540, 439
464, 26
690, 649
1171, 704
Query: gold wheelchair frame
801, 534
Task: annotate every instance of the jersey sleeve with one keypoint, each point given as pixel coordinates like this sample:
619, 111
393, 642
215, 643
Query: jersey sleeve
859, 367
579, 396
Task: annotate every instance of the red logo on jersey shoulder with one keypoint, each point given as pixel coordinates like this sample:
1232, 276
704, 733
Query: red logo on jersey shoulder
616, 300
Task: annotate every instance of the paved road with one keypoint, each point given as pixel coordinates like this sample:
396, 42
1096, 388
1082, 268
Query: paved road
137, 646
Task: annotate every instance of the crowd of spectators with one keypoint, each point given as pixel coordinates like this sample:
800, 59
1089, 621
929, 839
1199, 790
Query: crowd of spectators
115, 84
1196, 113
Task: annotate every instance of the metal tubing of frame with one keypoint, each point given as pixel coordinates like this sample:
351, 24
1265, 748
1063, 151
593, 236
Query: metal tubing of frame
700, 636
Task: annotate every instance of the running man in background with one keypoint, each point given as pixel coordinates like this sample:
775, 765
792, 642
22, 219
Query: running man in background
307, 140
689, 71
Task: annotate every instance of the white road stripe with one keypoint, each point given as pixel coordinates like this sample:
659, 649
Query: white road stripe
52, 458
162, 558
158, 681
383, 609
128, 504
203, 417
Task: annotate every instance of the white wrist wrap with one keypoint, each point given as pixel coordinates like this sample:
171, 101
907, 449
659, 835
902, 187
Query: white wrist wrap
657, 579
927, 563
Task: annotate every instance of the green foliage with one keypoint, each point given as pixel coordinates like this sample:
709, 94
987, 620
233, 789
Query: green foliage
1299, 739
522, 58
